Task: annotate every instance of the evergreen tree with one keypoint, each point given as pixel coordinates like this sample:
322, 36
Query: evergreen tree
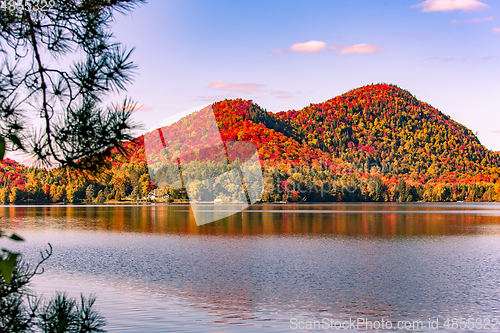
100, 197
75, 124
69, 100
402, 190
135, 193
90, 193
118, 195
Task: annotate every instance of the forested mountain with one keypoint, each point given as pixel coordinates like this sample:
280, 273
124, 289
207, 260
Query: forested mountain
375, 143
383, 123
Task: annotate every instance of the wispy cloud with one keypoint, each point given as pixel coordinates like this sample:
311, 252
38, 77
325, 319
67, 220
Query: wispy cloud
312, 46
450, 5
496, 132
360, 48
489, 57
474, 20
315, 46
496, 30
245, 88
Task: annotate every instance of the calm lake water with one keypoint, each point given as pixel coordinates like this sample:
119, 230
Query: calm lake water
271, 267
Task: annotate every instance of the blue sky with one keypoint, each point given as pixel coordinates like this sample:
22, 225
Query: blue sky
287, 54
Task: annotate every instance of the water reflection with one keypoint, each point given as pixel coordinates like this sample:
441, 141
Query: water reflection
259, 268
341, 219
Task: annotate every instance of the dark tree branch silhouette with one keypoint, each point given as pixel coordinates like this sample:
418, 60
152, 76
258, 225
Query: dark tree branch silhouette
36, 78
77, 131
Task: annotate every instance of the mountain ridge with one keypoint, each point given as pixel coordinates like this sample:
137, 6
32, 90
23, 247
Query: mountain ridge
358, 127
373, 143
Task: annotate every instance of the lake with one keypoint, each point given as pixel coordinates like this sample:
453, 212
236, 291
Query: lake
272, 267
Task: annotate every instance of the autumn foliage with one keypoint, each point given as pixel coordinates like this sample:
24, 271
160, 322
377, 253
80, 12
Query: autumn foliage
375, 143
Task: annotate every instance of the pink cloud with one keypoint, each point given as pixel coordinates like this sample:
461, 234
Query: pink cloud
496, 132
246, 88
277, 51
474, 20
496, 31
315, 46
482, 19
360, 48
243, 88
309, 47
450, 5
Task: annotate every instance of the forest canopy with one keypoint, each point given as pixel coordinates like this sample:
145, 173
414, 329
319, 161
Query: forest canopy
375, 143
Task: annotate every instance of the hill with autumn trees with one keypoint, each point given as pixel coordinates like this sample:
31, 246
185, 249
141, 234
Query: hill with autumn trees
374, 143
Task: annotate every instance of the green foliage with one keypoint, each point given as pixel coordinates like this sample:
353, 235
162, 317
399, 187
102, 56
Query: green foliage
100, 197
384, 124
135, 193
90, 192
63, 314
8, 262
2, 147
375, 143
34, 80
22, 311
118, 195
8, 259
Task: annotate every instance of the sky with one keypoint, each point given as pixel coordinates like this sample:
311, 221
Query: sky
287, 54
